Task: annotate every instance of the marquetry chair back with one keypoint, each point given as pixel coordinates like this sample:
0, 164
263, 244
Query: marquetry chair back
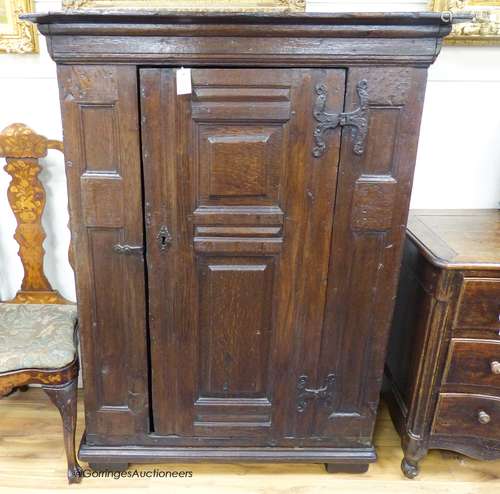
22, 148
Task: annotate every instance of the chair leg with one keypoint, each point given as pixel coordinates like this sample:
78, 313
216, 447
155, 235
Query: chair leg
64, 398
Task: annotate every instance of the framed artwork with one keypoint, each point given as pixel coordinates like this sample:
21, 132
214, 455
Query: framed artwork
17, 36
483, 30
194, 5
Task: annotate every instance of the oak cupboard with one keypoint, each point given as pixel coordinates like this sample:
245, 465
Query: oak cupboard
237, 247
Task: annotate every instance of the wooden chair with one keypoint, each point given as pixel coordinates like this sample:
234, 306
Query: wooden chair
38, 327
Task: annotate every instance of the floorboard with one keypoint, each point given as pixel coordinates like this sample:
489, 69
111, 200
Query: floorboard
32, 460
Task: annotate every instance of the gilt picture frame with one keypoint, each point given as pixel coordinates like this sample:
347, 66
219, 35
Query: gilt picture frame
17, 36
193, 5
483, 30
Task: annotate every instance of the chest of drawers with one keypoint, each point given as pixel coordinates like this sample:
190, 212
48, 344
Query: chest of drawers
443, 366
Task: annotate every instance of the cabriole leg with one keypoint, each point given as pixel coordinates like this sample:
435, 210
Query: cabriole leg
64, 398
413, 453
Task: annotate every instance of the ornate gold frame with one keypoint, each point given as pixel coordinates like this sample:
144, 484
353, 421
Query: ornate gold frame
19, 36
194, 5
483, 30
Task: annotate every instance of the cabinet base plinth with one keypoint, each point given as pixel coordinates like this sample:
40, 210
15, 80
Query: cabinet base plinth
337, 458
108, 467
346, 467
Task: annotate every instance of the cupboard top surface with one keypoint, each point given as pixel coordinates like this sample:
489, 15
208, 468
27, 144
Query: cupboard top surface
161, 37
153, 16
458, 239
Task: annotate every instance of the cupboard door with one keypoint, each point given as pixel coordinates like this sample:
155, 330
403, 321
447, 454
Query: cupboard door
367, 246
238, 227
101, 147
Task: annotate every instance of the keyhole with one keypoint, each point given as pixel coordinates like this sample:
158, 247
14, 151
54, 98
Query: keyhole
164, 238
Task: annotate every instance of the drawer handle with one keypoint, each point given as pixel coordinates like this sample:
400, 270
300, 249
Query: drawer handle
128, 250
483, 417
495, 367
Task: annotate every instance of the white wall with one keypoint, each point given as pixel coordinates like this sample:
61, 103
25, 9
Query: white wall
458, 162
29, 94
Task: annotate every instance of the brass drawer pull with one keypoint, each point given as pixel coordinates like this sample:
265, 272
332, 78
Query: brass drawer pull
495, 367
483, 417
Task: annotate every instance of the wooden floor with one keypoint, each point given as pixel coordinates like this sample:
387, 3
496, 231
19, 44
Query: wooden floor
32, 460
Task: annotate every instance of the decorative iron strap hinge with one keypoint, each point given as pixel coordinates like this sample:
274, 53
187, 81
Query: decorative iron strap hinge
128, 249
323, 394
357, 119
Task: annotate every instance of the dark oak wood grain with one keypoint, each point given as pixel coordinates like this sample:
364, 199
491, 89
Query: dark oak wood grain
239, 246
479, 304
473, 362
443, 365
468, 414
106, 210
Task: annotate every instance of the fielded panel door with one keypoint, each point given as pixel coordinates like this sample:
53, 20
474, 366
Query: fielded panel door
238, 215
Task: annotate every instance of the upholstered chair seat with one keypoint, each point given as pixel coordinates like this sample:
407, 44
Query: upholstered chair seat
37, 336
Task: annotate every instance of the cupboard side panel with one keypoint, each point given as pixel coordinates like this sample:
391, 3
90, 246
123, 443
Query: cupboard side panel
100, 119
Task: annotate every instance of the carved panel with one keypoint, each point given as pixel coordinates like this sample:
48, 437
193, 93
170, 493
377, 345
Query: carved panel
251, 414
390, 89
109, 272
373, 203
378, 158
231, 245
96, 192
367, 257
235, 331
98, 124
239, 231
238, 215
90, 83
239, 164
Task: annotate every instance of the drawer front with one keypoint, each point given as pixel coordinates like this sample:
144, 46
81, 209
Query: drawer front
467, 415
474, 362
479, 304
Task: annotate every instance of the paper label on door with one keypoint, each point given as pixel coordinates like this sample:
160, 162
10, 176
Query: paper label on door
183, 81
